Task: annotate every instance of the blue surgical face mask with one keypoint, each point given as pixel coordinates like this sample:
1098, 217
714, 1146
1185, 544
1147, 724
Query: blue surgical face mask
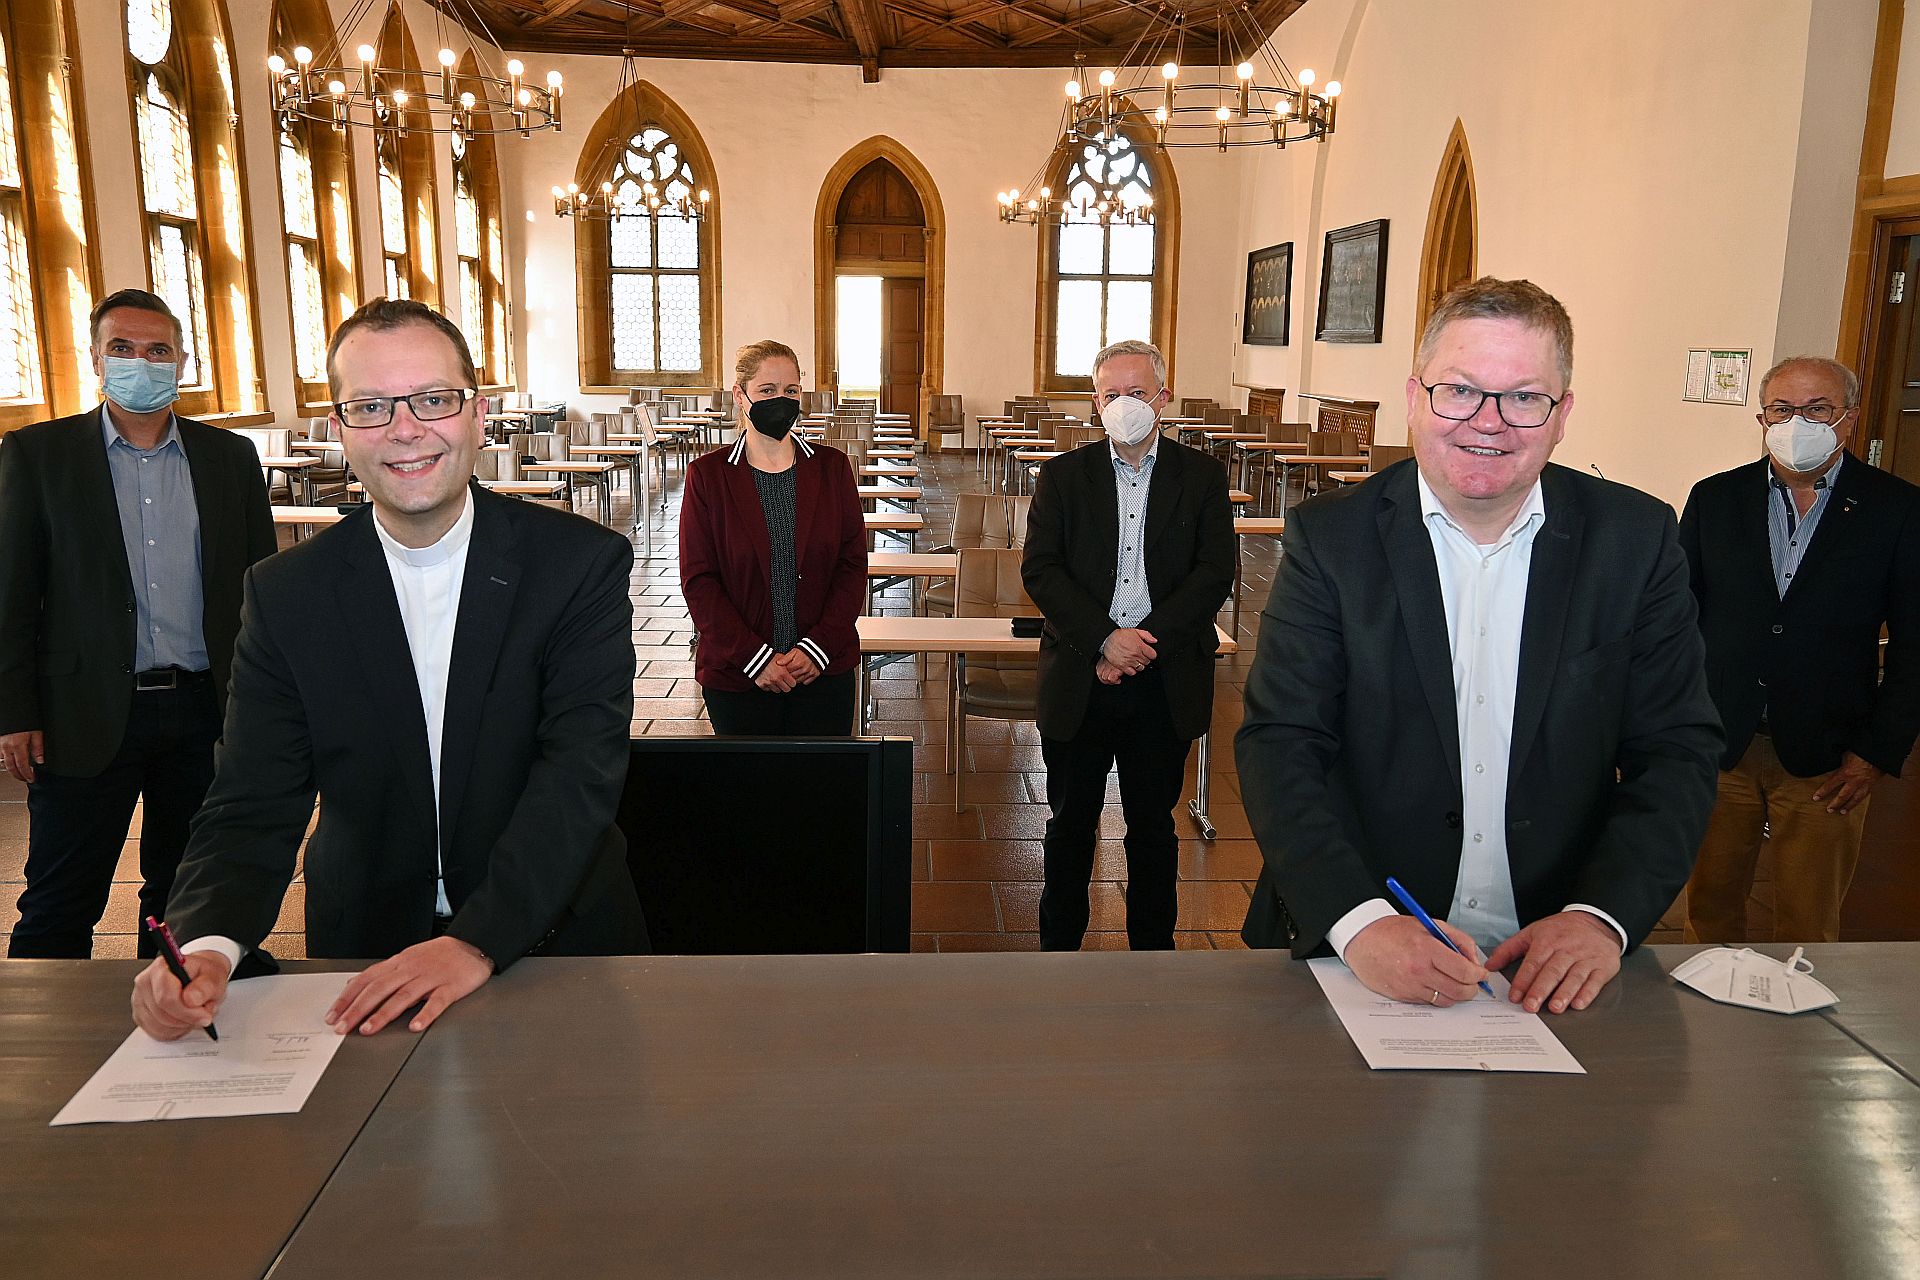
141, 386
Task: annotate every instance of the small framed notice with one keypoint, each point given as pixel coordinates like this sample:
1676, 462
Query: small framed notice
1727, 376
1696, 376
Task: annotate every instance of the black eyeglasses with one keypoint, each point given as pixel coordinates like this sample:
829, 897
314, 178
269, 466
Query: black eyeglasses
1458, 402
1821, 412
426, 406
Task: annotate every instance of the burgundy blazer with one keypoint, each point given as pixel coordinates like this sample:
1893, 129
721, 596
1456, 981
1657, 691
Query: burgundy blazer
726, 564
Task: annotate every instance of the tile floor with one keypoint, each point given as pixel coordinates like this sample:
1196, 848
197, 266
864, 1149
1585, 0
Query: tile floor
976, 874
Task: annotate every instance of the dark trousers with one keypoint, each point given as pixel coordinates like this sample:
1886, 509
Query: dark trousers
1128, 723
77, 826
823, 709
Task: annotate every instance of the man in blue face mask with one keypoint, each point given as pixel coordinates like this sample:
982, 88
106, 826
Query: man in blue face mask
124, 534
1798, 561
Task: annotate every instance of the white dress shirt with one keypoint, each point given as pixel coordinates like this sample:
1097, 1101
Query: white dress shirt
426, 583
1484, 591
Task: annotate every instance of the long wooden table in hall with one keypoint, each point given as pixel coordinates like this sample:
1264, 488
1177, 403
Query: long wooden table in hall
1109, 1114
885, 639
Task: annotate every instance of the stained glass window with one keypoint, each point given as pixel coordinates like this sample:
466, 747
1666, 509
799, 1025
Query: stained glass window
168, 185
166, 153
393, 227
466, 240
302, 231
656, 261
19, 342
1103, 274
149, 29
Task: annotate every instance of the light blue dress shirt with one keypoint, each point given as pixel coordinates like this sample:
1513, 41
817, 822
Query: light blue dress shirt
160, 527
1131, 600
1788, 532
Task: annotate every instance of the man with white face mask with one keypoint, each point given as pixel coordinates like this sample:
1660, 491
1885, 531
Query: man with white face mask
124, 534
1130, 553
1798, 561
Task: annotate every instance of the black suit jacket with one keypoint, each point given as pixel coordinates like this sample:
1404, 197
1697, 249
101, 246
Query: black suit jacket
1350, 750
533, 752
1811, 660
66, 596
1073, 549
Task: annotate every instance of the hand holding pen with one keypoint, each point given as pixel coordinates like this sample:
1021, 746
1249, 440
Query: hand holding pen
177, 993
1426, 922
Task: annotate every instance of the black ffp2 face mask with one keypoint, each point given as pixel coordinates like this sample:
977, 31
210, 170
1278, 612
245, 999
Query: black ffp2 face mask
774, 417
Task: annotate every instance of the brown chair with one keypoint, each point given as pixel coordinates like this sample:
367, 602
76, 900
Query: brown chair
1385, 455
271, 442
980, 520
948, 414
1194, 406
997, 686
331, 475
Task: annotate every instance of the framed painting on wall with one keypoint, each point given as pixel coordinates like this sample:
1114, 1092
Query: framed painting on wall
1268, 317
1353, 283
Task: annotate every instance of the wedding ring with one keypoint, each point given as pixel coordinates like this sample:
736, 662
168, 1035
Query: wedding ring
1434, 999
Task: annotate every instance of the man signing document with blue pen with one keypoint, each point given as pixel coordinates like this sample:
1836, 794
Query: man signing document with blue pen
1480, 675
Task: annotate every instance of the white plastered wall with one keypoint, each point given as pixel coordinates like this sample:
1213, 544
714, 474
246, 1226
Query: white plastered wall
1641, 163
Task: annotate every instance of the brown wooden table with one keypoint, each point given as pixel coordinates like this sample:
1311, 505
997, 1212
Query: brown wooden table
193, 1199
1173, 1114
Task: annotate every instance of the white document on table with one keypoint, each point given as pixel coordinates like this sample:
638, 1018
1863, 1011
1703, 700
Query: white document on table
273, 1049
1485, 1033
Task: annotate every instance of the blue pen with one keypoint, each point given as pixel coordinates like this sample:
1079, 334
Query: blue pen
1406, 900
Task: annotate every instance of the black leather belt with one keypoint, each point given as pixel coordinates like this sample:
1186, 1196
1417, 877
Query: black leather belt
167, 678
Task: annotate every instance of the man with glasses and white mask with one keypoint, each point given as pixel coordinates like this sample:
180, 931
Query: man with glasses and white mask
1799, 560
451, 672
1130, 553
1480, 675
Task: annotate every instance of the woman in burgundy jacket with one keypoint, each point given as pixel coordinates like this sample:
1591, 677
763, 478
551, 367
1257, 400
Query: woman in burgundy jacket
773, 563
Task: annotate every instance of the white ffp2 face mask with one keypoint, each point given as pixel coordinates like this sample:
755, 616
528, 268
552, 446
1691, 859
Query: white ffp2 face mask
1800, 445
1746, 977
1128, 421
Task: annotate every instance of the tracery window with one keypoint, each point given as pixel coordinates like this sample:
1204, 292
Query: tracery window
19, 343
1102, 275
192, 194
47, 267
655, 261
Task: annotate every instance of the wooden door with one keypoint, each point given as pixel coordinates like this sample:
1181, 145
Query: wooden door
901, 359
1893, 430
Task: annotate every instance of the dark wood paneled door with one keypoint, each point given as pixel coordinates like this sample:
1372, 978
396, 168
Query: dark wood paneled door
902, 349
1893, 429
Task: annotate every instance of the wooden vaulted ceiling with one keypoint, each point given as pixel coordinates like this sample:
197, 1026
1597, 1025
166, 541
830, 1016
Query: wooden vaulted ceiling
874, 34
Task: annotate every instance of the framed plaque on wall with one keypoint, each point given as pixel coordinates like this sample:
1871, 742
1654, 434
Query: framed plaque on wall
1353, 283
1268, 318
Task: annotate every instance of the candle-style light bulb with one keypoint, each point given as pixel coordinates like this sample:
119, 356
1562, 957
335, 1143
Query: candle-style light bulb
1333, 88
1244, 71
1106, 79
277, 65
1171, 70
446, 57
302, 54
365, 53
1306, 77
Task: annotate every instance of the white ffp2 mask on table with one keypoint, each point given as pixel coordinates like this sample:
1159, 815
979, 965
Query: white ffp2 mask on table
1745, 977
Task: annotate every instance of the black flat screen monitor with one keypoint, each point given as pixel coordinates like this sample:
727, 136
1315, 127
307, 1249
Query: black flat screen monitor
771, 846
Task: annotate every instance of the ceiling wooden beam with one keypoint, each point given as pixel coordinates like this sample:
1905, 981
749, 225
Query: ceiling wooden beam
557, 10
863, 24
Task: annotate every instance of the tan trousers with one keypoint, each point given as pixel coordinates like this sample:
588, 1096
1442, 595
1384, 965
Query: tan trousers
1814, 853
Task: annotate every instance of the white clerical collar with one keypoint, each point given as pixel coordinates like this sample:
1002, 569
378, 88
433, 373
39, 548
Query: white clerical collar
1431, 506
450, 543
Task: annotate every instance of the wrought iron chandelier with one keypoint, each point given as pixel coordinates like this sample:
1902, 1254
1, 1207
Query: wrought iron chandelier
1150, 94
671, 197
321, 86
